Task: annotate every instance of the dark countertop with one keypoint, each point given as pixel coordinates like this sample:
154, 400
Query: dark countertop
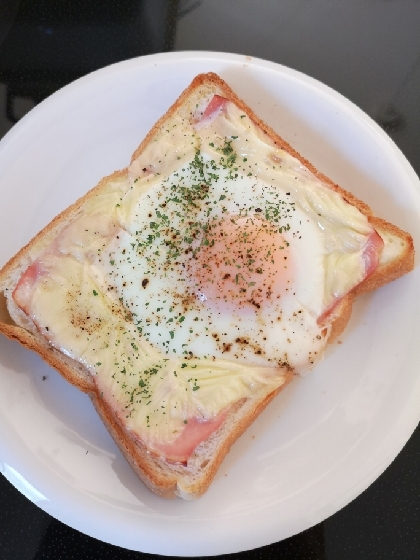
369, 51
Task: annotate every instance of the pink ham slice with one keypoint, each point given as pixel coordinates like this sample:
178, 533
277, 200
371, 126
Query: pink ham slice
371, 253
213, 109
22, 294
192, 435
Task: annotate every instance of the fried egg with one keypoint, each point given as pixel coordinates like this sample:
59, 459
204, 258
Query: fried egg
229, 269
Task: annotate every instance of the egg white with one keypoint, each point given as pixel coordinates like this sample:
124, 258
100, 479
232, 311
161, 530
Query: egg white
283, 330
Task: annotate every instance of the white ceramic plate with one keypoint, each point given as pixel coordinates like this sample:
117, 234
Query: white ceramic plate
325, 438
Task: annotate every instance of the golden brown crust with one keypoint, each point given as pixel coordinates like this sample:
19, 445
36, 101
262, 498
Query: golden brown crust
149, 468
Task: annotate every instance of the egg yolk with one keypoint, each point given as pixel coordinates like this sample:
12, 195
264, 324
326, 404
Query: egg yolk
241, 261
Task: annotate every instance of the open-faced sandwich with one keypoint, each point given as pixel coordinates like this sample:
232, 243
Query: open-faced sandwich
185, 291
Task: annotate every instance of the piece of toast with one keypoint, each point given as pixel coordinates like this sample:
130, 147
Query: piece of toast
191, 479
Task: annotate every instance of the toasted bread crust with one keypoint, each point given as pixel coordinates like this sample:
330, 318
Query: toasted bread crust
172, 480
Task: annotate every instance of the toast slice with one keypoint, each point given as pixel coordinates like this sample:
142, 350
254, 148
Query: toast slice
180, 411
